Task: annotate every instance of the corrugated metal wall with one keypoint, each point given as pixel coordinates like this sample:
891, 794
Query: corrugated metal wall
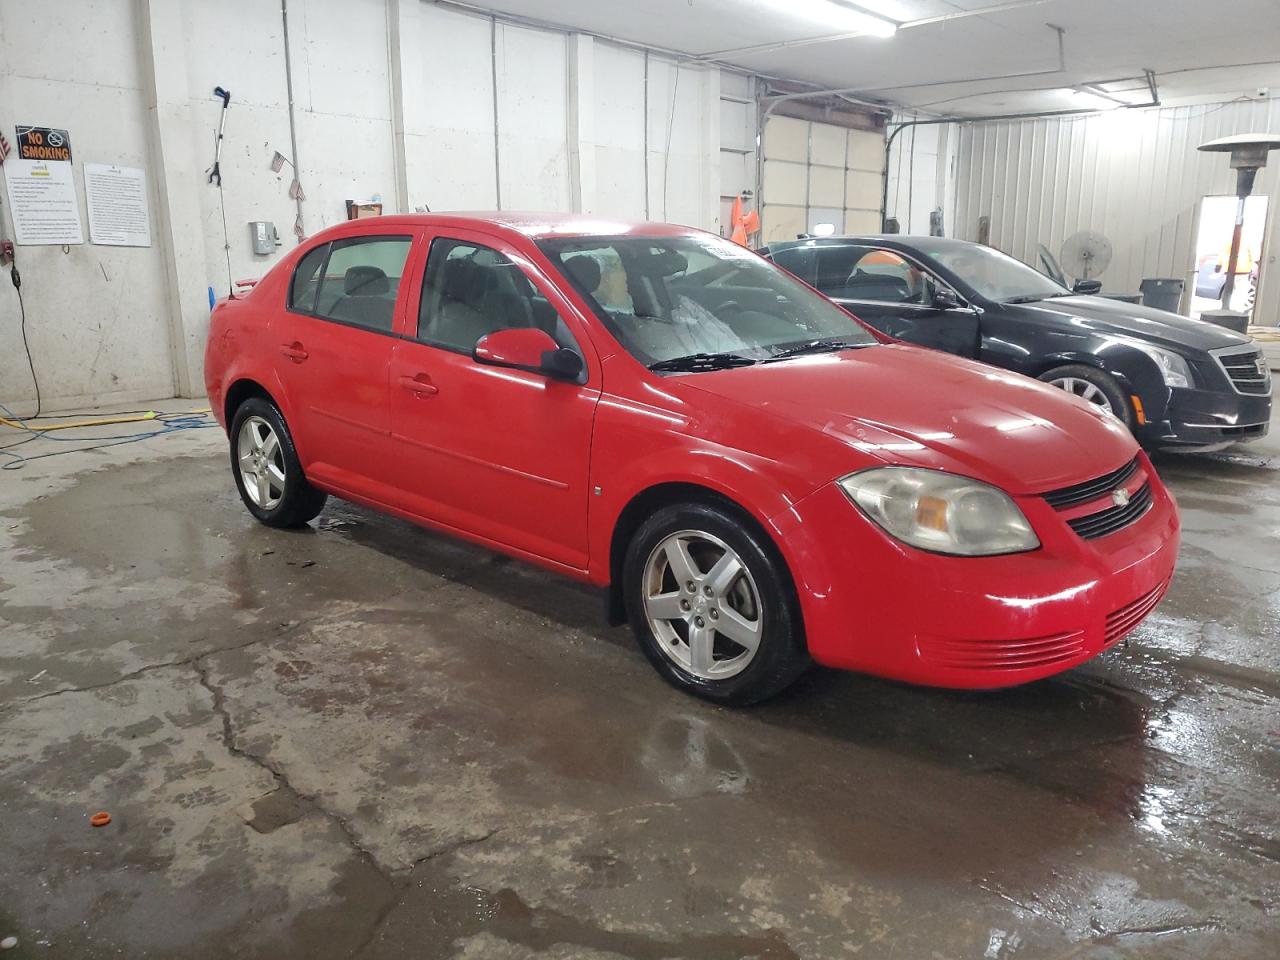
1135, 175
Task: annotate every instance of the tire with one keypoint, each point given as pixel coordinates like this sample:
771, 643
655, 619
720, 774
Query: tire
283, 497
1093, 385
756, 602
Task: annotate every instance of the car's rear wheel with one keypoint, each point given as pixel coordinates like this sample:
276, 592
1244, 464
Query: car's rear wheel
712, 605
266, 468
1093, 386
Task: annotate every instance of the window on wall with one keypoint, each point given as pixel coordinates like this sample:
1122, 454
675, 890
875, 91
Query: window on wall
352, 281
820, 179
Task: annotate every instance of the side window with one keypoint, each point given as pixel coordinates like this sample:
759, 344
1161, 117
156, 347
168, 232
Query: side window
885, 276
360, 281
306, 280
799, 261
472, 290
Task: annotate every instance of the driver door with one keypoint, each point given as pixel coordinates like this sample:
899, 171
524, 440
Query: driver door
897, 296
500, 454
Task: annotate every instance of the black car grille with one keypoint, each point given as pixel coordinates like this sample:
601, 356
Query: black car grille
1113, 518
1078, 493
1244, 372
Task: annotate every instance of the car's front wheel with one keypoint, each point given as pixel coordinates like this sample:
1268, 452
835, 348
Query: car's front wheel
712, 605
266, 467
1094, 386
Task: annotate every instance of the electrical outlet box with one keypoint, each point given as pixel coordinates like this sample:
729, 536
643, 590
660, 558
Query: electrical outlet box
263, 236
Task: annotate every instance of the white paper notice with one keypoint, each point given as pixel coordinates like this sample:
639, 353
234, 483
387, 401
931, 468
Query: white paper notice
117, 199
42, 199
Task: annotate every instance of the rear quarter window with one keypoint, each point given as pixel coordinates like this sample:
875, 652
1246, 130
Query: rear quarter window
306, 280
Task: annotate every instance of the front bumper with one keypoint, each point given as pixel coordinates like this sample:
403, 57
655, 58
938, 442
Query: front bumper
877, 606
1202, 418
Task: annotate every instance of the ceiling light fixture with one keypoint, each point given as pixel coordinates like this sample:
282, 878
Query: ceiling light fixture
840, 15
1097, 100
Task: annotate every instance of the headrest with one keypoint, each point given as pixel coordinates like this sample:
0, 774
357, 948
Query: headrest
464, 280
585, 270
365, 281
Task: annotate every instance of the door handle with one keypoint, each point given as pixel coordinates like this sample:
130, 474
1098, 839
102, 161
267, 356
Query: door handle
419, 385
294, 351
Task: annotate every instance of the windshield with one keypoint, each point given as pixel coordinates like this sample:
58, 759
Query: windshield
993, 274
700, 298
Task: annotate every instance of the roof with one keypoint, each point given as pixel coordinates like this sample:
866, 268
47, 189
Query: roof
918, 242
536, 225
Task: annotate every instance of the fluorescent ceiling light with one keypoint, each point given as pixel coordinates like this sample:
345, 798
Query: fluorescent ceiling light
1096, 100
844, 15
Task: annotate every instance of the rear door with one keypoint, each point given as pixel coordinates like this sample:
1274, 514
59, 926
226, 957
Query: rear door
896, 295
497, 453
334, 342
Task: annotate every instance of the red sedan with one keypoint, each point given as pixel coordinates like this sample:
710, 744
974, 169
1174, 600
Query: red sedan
756, 478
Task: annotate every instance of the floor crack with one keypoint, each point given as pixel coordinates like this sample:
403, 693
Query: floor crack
229, 741
289, 628
448, 849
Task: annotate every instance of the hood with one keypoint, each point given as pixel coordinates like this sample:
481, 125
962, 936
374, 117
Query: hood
915, 407
1143, 323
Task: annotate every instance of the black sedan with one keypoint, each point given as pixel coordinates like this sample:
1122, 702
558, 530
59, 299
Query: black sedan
1174, 381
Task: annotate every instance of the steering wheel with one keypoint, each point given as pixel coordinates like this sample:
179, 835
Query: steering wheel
727, 305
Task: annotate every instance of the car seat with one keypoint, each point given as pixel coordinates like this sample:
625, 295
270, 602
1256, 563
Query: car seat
366, 298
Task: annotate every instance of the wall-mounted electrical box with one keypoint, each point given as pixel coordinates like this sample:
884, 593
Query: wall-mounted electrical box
263, 236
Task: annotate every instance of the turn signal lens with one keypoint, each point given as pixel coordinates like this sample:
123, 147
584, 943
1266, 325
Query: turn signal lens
940, 511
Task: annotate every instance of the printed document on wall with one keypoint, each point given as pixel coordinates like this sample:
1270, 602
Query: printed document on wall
117, 201
42, 189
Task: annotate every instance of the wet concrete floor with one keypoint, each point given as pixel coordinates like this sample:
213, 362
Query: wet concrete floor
363, 739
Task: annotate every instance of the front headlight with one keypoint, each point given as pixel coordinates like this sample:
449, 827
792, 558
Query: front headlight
940, 511
1172, 366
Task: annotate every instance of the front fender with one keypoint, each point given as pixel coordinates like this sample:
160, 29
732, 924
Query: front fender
630, 457
1136, 372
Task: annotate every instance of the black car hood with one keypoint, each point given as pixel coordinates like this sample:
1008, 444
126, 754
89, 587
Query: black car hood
1144, 323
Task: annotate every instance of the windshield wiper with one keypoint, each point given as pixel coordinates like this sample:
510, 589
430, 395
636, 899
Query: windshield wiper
701, 361
1037, 297
816, 346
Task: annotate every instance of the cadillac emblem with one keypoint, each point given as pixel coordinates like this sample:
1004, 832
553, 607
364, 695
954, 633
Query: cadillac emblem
1120, 497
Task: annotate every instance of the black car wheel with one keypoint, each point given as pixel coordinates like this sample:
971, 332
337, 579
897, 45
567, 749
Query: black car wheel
1094, 386
266, 468
712, 605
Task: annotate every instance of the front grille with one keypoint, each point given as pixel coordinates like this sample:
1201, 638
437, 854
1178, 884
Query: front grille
1246, 368
1110, 520
1003, 654
1091, 489
1122, 622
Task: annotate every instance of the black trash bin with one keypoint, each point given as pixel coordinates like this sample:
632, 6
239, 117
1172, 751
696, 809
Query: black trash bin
1163, 293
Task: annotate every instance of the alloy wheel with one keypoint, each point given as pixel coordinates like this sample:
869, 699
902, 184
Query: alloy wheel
261, 462
1085, 391
702, 605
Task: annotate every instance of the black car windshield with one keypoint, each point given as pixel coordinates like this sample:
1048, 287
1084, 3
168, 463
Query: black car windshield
700, 302
994, 275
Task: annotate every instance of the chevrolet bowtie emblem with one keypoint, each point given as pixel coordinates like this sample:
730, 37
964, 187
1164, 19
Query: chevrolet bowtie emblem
1120, 497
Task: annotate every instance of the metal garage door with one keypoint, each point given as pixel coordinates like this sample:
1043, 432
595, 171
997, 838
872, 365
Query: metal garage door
817, 173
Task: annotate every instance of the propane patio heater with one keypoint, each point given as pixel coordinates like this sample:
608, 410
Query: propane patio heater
1248, 155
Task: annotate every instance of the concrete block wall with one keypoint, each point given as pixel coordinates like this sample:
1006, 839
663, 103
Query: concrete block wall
426, 106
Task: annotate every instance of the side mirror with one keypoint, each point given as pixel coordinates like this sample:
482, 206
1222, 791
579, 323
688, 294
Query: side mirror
1089, 287
528, 349
945, 298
